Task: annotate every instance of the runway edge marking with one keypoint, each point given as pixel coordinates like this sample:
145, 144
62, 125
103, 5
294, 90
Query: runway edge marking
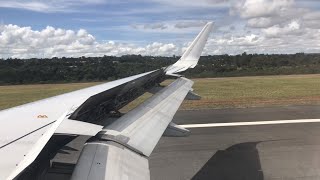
254, 123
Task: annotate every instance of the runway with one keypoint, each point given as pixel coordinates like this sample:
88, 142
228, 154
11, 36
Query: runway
270, 152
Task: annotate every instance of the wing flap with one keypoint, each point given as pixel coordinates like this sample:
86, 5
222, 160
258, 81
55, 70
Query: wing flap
108, 160
174, 130
141, 128
74, 127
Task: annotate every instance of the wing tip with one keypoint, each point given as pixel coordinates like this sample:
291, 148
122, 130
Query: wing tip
191, 56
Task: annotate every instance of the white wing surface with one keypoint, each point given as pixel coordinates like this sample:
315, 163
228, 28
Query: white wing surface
191, 56
121, 149
23, 127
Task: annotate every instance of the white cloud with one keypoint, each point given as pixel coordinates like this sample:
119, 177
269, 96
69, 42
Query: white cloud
262, 22
248, 40
23, 42
33, 6
282, 26
151, 26
194, 4
177, 26
48, 5
188, 24
283, 40
268, 13
292, 28
256, 26
262, 8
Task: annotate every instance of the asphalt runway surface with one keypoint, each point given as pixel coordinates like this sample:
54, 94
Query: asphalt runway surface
262, 152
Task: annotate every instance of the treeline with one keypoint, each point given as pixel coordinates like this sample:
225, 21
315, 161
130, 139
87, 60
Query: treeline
256, 65
82, 69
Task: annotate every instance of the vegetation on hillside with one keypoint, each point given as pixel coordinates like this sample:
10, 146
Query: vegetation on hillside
84, 69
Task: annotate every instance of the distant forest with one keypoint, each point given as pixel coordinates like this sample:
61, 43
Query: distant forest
106, 68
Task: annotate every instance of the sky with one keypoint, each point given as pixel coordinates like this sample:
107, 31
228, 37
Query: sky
73, 28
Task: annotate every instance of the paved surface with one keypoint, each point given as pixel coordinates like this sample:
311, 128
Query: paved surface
270, 152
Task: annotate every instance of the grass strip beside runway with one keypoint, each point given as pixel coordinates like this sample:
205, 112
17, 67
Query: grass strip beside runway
216, 92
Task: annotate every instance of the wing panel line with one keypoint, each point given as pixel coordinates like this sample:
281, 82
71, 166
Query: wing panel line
27, 134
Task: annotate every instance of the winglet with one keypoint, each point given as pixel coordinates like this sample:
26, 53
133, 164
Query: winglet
191, 56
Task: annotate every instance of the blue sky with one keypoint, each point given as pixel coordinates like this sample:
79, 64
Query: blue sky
111, 20
155, 27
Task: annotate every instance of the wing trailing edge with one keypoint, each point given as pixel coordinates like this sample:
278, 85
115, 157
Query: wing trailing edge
74, 127
121, 149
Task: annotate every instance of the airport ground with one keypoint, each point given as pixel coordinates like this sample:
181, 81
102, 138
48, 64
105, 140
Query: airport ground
266, 152
269, 152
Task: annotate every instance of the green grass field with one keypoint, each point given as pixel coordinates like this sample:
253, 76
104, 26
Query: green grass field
256, 91
215, 92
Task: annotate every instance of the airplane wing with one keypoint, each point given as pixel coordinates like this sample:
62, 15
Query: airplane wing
122, 146
23, 127
121, 149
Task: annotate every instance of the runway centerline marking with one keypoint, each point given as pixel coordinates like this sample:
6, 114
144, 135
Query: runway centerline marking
253, 123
